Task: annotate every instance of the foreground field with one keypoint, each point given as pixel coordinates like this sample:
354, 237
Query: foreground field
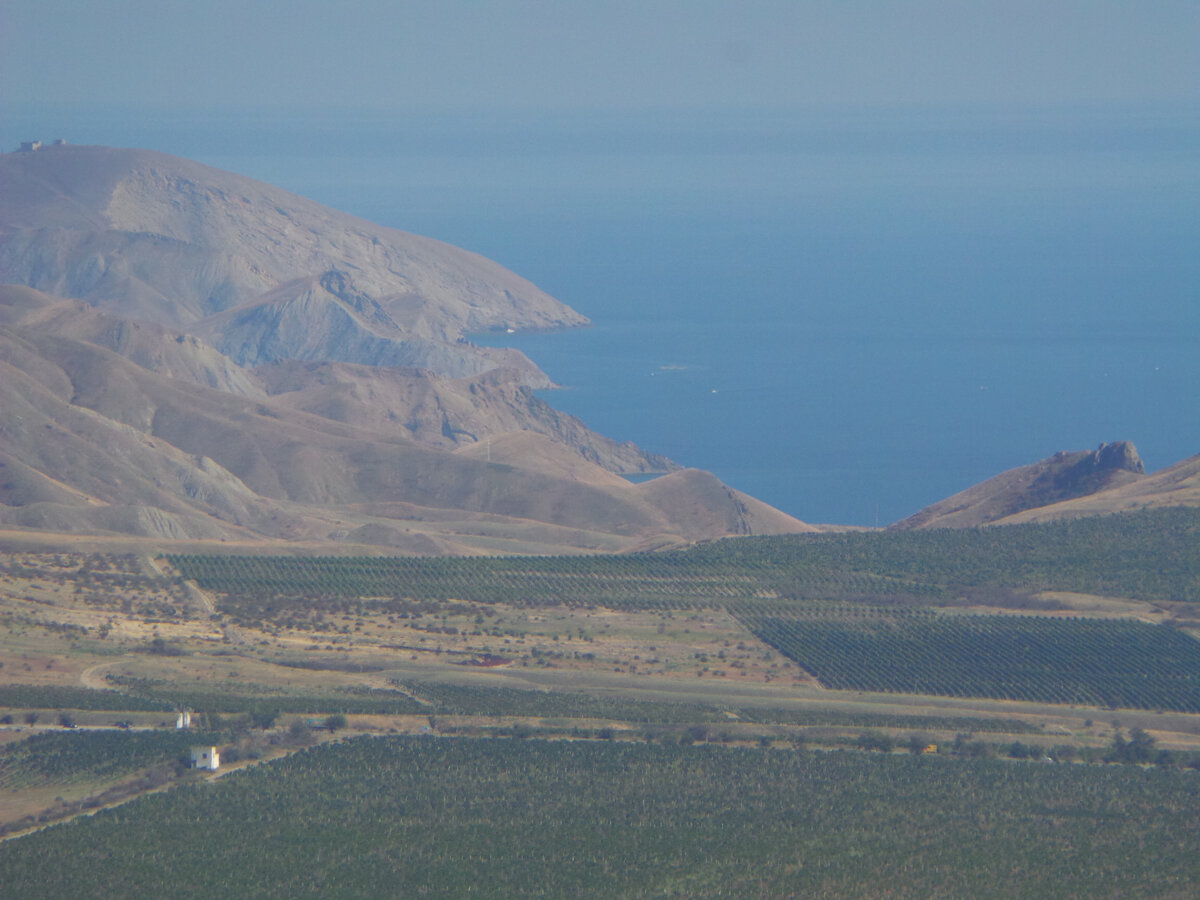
1071, 643
436, 817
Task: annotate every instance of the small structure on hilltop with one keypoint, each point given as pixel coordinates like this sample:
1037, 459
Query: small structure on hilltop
207, 758
184, 721
30, 146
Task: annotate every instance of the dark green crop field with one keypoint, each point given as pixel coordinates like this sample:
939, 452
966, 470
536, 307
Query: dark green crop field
406, 817
44, 696
1152, 555
1095, 662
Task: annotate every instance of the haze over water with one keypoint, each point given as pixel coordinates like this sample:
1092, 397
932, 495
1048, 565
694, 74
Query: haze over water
848, 315
882, 313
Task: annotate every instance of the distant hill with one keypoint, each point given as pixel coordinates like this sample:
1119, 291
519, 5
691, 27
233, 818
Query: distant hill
189, 355
1176, 485
1109, 479
260, 273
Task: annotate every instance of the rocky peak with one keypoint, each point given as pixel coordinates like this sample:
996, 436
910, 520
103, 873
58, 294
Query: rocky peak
1119, 455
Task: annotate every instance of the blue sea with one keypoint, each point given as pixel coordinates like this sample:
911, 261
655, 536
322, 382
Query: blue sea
848, 314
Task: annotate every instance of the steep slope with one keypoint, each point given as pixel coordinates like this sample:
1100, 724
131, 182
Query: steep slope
147, 344
161, 239
91, 442
323, 318
408, 404
67, 468
450, 414
1062, 477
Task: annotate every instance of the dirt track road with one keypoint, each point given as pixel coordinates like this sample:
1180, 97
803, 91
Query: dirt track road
91, 677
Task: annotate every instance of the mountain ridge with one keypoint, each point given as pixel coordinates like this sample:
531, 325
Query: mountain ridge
1062, 477
189, 355
157, 238
239, 362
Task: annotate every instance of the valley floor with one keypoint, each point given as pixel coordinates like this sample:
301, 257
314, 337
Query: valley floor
98, 641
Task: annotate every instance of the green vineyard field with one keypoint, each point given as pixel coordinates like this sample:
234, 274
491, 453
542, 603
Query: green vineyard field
42, 696
414, 817
1096, 662
1152, 555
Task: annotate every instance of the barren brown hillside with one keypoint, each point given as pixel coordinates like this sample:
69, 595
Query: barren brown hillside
191, 355
1062, 477
1177, 485
157, 238
1074, 485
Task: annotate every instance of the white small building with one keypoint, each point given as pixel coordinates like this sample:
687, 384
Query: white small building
184, 721
206, 758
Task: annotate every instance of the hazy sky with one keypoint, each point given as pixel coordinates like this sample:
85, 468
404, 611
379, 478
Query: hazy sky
598, 53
